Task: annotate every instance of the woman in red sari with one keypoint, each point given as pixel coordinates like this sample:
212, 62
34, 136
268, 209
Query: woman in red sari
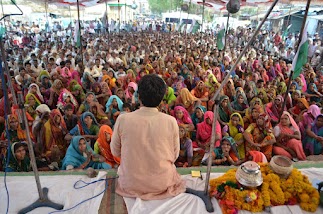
204, 132
288, 137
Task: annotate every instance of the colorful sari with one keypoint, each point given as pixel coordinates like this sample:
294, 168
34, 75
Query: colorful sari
236, 132
14, 166
308, 117
104, 146
82, 129
170, 96
225, 113
38, 95
204, 130
54, 134
259, 135
313, 146
294, 144
186, 99
273, 110
75, 158
186, 116
218, 153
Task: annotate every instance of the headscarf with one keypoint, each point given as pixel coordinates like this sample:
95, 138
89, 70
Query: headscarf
54, 86
84, 126
80, 89
13, 163
265, 99
109, 80
313, 110
135, 88
186, 117
63, 96
119, 101
292, 121
194, 117
233, 130
20, 133
225, 115
204, 130
304, 87
104, 146
315, 129
46, 85
40, 96
76, 76
304, 101
187, 98
170, 96
283, 89
32, 95
234, 147
73, 155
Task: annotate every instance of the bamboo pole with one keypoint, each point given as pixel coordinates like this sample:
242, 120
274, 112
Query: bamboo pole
215, 97
298, 43
80, 30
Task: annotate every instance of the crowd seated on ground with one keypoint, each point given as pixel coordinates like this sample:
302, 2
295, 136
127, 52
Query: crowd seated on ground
74, 95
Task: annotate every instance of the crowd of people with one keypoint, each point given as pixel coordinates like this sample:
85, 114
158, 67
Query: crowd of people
74, 95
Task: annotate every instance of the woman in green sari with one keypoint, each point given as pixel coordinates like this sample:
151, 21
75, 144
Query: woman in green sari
170, 97
19, 161
225, 110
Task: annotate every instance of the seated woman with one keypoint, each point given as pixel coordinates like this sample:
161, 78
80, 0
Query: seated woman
16, 133
299, 109
102, 146
79, 155
201, 92
313, 142
197, 117
227, 154
113, 108
183, 118
259, 137
274, 108
88, 127
170, 97
186, 99
252, 115
288, 137
53, 146
204, 132
224, 110
240, 102
186, 150
308, 117
86, 105
19, 161
32, 103
66, 98
235, 130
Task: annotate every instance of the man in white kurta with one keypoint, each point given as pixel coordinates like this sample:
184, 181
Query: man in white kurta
148, 143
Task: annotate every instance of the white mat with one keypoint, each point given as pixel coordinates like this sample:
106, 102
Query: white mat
187, 203
23, 192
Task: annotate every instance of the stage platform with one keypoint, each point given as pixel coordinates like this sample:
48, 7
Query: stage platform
23, 191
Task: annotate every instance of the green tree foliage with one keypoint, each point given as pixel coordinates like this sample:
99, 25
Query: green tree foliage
161, 6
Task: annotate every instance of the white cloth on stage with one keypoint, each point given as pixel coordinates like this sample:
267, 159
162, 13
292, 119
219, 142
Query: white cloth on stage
187, 203
23, 192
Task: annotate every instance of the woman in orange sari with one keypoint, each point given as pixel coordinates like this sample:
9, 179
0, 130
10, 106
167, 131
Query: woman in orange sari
259, 136
54, 145
288, 137
102, 146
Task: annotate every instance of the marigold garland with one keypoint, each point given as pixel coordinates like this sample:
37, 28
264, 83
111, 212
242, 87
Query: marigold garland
296, 189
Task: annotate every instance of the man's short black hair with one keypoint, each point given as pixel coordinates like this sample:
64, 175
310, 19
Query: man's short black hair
151, 90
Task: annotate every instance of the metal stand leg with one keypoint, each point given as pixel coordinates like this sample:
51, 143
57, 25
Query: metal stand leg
45, 202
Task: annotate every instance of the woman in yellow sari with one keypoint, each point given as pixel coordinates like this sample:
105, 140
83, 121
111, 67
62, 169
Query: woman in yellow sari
262, 94
235, 130
187, 100
32, 102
